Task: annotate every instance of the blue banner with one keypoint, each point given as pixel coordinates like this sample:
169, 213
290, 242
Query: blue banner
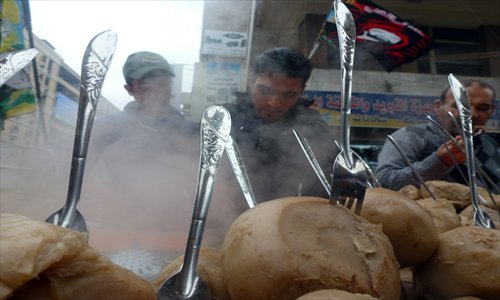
382, 110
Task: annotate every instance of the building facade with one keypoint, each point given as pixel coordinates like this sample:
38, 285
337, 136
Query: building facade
29, 142
467, 44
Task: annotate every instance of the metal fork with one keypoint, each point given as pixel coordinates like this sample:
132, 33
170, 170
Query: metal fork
306, 148
350, 178
349, 183
373, 182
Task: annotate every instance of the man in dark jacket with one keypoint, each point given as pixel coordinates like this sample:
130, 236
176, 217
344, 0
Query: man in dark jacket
262, 124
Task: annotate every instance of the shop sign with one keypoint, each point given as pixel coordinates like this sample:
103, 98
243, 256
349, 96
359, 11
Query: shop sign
224, 43
383, 110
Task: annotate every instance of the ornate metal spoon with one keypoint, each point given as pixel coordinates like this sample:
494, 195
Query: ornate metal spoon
13, 62
95, 65
464, 110
236, 161
187, 284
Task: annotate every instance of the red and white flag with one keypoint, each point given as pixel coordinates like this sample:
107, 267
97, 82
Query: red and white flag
391, 40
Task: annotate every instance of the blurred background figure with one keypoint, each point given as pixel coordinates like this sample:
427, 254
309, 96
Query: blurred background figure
143, 165
148, 78
426, 146
262, 124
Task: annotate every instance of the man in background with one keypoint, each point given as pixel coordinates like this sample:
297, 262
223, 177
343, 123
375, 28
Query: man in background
426, 146
262, 124
143, 165
148, 78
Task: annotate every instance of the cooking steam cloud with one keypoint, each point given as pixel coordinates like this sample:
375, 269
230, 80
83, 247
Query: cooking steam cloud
138, 191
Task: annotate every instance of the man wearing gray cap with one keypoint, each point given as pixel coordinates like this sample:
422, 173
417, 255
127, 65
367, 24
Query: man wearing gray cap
141, 159
148, 78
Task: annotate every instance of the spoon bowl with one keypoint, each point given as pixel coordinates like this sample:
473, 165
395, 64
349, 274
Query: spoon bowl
76, 222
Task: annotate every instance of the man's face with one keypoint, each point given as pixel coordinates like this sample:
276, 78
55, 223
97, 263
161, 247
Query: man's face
151, 91
274, 94
481, 102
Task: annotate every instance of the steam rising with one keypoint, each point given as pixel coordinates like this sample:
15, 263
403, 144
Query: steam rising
139, 188
138, 192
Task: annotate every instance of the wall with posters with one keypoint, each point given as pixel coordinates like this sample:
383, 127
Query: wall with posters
224, 43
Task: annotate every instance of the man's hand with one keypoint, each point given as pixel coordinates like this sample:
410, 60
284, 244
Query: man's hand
456, 151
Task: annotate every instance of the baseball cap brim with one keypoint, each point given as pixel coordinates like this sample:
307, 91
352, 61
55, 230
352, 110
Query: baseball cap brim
139, 73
